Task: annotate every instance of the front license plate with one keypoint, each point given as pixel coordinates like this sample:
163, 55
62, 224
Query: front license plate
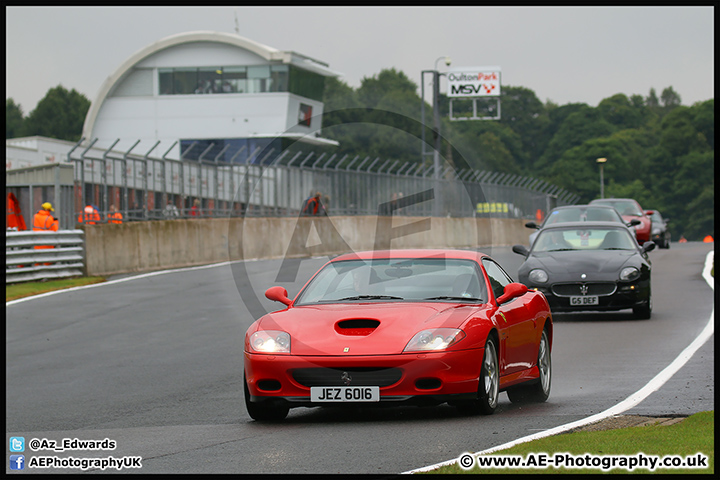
580, 301
344, 394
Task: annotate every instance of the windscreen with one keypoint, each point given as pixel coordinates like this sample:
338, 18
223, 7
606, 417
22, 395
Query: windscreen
415, 279
553, 240
624, 207
583, 214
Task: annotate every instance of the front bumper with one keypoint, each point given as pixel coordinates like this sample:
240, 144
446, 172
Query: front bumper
623, 296
419, 378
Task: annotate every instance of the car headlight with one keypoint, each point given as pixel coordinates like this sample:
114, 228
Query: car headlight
629, 274
434, 339
538, 276
270, 341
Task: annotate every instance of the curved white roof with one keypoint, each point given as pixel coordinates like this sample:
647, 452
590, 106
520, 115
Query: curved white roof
268, 53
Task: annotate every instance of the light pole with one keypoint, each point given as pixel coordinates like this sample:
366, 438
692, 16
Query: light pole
602, 161
436, 129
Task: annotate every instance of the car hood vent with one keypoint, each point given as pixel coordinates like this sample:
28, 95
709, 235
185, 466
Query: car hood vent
356, 326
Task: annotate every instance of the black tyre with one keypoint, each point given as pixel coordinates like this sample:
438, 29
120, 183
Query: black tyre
539, 390
644, 312
489, 384
266, 411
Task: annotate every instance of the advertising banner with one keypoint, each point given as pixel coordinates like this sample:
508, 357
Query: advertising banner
474, 82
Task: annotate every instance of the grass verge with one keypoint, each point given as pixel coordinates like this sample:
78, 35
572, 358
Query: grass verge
693, 435
27, 289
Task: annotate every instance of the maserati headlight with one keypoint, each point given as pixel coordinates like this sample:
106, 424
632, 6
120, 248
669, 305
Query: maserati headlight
270, 341
628, 274
538, 276
434, 339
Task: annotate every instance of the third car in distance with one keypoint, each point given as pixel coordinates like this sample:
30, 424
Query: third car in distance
630, 210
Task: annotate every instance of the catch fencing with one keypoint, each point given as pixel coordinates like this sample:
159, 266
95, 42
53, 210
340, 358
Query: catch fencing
270, 183
276, 183
24, 262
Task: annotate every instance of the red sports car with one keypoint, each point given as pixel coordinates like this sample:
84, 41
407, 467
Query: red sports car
400, 327
630, 210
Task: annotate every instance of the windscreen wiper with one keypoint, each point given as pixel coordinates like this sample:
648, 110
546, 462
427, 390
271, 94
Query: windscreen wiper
452, 297
370, 297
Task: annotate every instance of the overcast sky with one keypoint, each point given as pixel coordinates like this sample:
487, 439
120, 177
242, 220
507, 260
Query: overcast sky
563, 54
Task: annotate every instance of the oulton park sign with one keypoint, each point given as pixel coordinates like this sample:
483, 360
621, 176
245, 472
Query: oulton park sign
474, 82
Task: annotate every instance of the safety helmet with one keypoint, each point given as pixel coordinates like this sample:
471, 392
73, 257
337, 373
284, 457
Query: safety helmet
48, 206
89, 209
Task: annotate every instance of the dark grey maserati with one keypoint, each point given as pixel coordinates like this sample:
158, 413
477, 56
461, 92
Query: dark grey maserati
583, 266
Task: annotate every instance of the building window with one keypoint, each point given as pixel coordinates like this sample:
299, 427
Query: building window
178, 81
306, 84
209, 80
278, 78
234, 80
239, 79
258, 78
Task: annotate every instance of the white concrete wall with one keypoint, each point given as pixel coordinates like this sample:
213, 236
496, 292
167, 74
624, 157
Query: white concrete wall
145, 246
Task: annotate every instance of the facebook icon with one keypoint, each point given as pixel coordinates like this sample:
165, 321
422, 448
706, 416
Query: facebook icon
17, 462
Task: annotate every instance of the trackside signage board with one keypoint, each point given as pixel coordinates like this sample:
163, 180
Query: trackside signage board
473, 82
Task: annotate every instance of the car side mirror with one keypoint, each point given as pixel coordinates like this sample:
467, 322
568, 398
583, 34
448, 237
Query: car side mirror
649, 212
278, 294
647, 246
512, 290
531, 225
634, 222
521, 249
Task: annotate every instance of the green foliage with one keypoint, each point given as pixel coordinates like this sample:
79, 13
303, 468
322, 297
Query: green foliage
670, 98
527, 116
703, 119
618, 111
489, 146
13, 119
60, 114
584, 124
387, 83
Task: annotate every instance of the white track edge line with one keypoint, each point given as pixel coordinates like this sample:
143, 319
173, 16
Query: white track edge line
119, 280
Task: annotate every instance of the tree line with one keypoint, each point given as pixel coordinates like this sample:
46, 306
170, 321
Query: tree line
658, 151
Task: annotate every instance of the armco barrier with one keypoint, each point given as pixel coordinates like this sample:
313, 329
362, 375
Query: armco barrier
153, 245
23, 262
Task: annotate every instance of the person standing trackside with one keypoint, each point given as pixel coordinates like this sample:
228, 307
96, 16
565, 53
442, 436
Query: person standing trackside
43, 221
90, 216
195, 209
114, 216
312, 205
170, 211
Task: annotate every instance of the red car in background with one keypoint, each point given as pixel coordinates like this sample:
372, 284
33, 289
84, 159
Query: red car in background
399, 327
630, 209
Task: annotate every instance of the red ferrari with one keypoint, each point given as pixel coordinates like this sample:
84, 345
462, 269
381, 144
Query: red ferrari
400, 327
630, 210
